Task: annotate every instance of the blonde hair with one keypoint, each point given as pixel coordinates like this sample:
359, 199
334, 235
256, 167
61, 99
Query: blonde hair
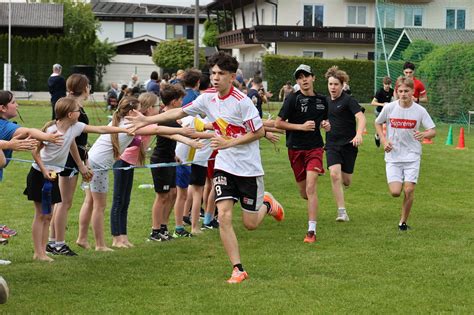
126, 104
147, 100
405, 81
335, 73
63, 107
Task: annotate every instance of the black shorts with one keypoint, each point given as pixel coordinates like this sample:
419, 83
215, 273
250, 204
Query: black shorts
164, 178
248, 190
70, 163
198, 175
344, 154
34, 186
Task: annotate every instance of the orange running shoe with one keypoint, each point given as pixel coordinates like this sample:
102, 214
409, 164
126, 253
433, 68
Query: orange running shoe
310, 237
238, 276
276, 210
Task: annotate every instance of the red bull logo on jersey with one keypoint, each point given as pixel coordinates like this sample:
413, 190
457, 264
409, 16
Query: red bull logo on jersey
225, 129
402, 123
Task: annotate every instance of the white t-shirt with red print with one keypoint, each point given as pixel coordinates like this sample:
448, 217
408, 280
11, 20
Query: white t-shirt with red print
233, 116
401, 126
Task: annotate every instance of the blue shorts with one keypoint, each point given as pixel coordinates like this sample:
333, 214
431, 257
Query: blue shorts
183, 175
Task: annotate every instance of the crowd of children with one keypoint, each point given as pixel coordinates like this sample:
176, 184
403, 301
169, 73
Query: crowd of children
217, 129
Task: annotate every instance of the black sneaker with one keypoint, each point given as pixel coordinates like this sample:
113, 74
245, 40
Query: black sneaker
403, 227
165, 236
214, 224
181, 233
64, 250
155, 236
50, 249
187, 220
377, 141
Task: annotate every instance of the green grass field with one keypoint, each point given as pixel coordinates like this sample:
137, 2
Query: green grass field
363, 266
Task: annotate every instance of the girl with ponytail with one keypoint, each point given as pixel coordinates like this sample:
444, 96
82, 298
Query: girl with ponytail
50, 159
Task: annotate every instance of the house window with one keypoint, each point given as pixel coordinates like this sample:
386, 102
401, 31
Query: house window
128, 29
455, 19
357, 15
174, 31
312, 53
387, 16
413, 17
313, 15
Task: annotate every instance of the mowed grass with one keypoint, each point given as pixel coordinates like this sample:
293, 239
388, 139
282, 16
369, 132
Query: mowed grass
363, 266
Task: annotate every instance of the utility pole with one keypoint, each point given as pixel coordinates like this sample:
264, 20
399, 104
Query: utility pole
196, 35
7, 68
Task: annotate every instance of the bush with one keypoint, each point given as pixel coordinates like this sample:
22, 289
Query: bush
176, 54
448, 73
279, 69
417, 50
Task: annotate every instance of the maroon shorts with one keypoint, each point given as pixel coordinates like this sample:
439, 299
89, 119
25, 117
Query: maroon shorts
210, 164
306, 160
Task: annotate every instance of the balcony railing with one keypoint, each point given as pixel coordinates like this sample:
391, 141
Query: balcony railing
288, 33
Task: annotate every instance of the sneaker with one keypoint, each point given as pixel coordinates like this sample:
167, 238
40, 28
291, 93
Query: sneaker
64, 250
155, 236
187, 220
181, 233
276, 210
377, 141
165, 236
237, 276
3, 241
50, 249
4, 291
214, 224
5, 262
310, 237
403, 227
5, 230
342, 217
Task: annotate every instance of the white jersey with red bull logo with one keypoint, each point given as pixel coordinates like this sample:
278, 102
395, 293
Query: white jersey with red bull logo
232, 116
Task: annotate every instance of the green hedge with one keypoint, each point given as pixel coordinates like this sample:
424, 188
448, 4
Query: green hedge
448, 73
279, 69
33, 59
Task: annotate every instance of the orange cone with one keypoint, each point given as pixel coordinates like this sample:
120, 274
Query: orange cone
461, 145
427, 141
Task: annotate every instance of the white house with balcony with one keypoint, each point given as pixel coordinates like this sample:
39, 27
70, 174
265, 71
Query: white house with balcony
136, 28
327, 28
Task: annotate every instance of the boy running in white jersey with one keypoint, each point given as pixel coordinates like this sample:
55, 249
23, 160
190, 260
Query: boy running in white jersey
402, 144
238, 172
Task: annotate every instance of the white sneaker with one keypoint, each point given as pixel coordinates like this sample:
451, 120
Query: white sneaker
342, 217
5, 262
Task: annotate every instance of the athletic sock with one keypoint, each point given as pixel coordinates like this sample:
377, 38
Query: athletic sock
341, 210
59, 244
269, 207
155, 231
239, 266
163, 228
207, 218
179, 228
51, 241
312, 226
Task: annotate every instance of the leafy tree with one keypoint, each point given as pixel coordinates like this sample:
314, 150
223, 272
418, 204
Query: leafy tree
210, 33
175, 54
417, 50
104, 52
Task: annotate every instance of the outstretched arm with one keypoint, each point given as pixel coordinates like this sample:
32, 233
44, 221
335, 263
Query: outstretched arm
23, 133
104, 129
139, 121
